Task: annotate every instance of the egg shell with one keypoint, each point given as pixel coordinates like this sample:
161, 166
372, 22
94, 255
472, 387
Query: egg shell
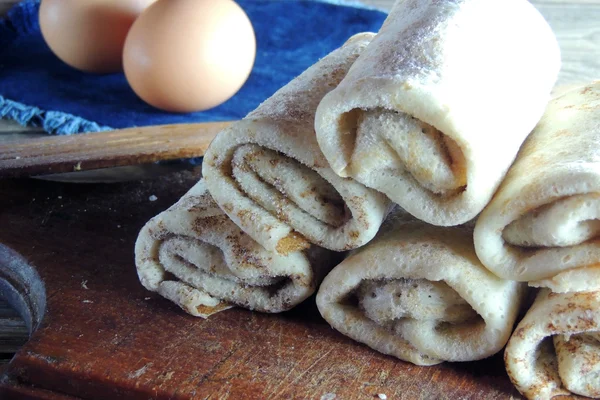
89, 34
189, 55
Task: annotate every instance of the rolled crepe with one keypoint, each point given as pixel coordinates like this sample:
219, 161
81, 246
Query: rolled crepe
433, 112
555, 349
270, 177
418, 292
542, 226
193, 255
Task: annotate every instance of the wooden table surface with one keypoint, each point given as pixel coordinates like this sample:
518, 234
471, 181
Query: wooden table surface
577, 27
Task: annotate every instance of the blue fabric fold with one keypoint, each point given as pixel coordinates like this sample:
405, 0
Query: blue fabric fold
38, 89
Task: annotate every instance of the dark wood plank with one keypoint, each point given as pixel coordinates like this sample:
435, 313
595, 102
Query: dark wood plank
105, 337
56, 154
12, 390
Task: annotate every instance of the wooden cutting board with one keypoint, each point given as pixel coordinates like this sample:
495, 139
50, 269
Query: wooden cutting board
103, 336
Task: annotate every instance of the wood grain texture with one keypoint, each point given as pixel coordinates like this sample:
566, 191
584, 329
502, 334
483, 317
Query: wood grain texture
106, 337
56, 154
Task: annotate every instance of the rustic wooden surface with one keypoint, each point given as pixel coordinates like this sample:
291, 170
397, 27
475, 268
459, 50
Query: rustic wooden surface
98, 249
106, 337
133, 146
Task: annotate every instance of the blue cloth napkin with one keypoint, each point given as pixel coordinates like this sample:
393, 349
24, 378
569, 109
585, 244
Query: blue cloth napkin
38, 89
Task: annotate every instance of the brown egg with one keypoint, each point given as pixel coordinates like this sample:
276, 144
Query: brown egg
89, 34
189, 55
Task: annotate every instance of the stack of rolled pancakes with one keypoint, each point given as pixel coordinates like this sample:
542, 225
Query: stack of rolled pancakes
428, 114
422, 117
270, 218
542, 227
414, 121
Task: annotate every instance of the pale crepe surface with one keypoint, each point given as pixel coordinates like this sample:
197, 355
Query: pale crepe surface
555, 349
542, 225
419, 293
270, 177
434, 110
193, 255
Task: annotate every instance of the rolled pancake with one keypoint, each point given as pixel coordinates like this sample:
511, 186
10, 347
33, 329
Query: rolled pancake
270, 177
193, 255
433, 112
419, 293
555, 349
543, 224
